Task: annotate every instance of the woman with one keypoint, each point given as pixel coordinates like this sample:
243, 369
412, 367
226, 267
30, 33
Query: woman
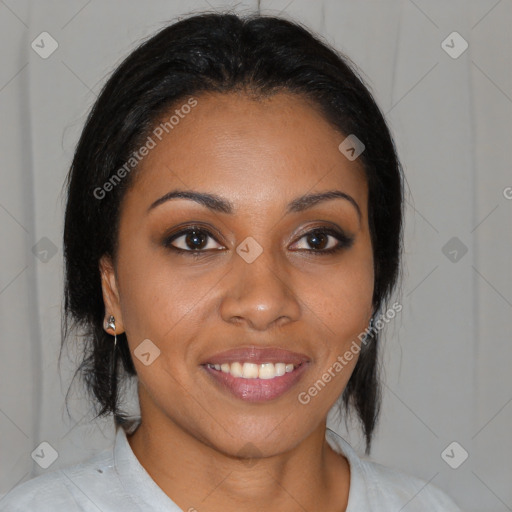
232, 238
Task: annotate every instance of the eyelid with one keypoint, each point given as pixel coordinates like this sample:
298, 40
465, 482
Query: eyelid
185, 230
344, 240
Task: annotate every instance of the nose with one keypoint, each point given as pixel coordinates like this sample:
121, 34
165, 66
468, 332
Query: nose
259, 294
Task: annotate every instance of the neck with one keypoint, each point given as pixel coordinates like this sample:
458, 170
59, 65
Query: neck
310, 476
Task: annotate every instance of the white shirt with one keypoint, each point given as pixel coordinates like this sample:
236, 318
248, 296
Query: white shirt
115, 481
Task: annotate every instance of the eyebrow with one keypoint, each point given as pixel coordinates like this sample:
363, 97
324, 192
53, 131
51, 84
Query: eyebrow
221, 205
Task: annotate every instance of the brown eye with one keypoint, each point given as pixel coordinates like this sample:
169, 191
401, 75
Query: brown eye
323, 241
192, 239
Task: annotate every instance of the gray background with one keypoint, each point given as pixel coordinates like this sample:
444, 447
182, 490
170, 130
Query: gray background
447, 355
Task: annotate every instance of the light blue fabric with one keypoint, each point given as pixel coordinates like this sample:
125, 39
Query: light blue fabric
115, 481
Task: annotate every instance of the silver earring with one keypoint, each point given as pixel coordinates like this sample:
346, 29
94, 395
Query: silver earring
111, 324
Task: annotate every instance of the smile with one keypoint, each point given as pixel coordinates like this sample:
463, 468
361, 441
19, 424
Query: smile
249, 370
255, 382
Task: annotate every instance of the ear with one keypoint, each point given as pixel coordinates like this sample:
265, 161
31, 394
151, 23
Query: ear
110, 294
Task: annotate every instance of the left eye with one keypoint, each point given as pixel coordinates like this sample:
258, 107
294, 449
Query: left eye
319, 239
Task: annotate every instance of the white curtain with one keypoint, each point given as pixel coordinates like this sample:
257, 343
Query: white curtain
446, 357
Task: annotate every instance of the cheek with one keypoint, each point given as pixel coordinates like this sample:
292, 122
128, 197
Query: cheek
342, 298
157, 292
169, 306
342, 308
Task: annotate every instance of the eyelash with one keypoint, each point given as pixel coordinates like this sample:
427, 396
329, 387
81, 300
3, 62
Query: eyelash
344, 241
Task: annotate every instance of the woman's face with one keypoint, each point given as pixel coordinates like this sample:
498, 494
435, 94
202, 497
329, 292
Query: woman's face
252, 276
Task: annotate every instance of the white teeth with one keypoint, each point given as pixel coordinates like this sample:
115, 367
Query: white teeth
250, 371
267, 371
280, 369
236, 369
254, 371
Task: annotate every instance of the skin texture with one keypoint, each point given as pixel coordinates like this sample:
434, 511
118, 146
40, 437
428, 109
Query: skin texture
260, 155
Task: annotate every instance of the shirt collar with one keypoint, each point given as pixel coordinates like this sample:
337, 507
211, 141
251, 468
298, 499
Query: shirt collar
357, 494
133, 476
136, 480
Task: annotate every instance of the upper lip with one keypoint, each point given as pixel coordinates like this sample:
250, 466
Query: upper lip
258, 356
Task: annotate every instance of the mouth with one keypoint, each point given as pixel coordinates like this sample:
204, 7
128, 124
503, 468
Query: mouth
249, 370
256, 375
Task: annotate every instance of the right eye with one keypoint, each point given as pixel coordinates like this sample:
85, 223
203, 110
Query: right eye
192, 240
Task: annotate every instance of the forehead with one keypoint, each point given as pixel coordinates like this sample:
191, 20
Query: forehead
253, 151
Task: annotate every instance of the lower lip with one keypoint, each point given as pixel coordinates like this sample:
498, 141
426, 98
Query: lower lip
256, 390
